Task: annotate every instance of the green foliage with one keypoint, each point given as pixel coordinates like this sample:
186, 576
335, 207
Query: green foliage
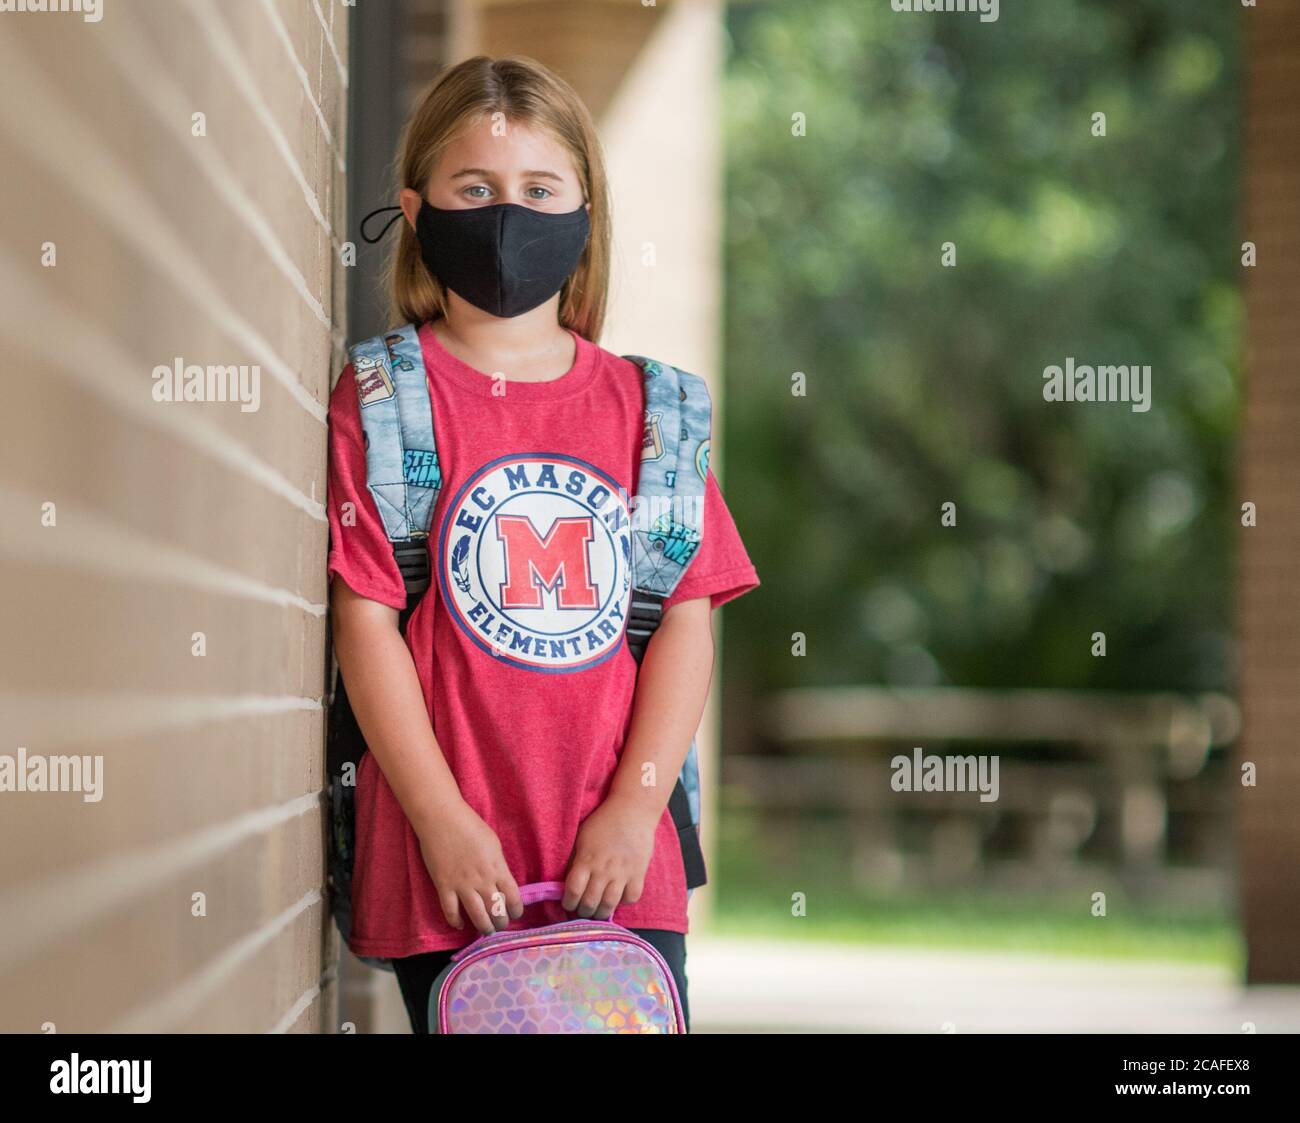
924, 383
755, 899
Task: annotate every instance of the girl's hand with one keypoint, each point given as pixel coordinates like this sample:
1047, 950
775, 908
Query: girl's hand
612, 852
464, 859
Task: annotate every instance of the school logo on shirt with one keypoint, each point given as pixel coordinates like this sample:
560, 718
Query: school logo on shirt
534, 561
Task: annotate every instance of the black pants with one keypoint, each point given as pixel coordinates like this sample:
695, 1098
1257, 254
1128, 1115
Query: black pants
416, 973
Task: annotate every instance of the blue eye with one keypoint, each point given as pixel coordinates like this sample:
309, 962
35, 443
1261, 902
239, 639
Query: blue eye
477, 187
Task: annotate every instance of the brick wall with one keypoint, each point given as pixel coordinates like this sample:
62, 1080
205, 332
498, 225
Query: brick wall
1269, 577
132, 525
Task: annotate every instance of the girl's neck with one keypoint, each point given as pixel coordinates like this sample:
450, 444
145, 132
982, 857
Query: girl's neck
528, 348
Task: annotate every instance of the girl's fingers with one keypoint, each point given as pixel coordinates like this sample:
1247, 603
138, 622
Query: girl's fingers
610, 900
575, 885
514, 900
592, 896
477, 912
450, 907
632, 892
498, 907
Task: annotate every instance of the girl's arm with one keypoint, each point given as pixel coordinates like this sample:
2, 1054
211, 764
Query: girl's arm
462, 853
616, 841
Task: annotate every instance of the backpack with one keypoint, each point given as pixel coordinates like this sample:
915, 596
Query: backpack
404, 478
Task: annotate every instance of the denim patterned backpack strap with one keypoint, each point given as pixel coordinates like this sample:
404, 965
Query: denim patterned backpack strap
402, 470
403, 476
667, 528
669, 516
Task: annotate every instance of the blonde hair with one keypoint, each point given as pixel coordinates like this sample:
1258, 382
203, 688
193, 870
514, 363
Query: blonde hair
524, 92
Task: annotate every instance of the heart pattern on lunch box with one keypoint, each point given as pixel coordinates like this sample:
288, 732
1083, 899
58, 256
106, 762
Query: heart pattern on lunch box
593, 986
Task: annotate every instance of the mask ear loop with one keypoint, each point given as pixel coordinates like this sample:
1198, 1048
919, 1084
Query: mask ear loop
387, 226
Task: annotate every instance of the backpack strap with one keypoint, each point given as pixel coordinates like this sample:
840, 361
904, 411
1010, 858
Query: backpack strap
667, 528
403, 477
668, 515
402, 470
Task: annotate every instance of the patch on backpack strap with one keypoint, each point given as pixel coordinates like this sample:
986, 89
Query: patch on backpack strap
420, 467
374, 383
674, 540
652, 443
391, 343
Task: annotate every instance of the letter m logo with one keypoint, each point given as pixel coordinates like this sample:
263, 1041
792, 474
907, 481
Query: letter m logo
558, 562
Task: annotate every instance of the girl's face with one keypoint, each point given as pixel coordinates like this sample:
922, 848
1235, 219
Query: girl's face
524, 166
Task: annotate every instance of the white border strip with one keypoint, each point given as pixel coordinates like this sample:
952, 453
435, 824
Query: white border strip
329, 39
296, 1011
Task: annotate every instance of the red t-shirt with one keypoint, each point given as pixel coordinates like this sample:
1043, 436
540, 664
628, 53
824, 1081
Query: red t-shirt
525, 671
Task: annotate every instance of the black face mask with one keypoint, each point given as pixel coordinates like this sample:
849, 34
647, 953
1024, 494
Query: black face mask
505, 259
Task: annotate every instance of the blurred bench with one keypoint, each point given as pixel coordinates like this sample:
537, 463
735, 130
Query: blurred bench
1071, 763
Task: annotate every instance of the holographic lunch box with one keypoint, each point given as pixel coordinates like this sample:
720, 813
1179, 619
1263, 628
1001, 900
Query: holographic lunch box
578, 976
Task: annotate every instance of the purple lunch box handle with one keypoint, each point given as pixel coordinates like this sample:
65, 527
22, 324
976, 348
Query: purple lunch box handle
541, 891
530, 894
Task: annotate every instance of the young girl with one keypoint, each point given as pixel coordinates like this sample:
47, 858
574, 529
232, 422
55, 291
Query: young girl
487, 769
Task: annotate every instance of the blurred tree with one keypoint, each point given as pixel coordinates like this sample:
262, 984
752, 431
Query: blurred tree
924, 383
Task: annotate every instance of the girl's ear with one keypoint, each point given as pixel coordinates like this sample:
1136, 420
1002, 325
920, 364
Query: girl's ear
411, 202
